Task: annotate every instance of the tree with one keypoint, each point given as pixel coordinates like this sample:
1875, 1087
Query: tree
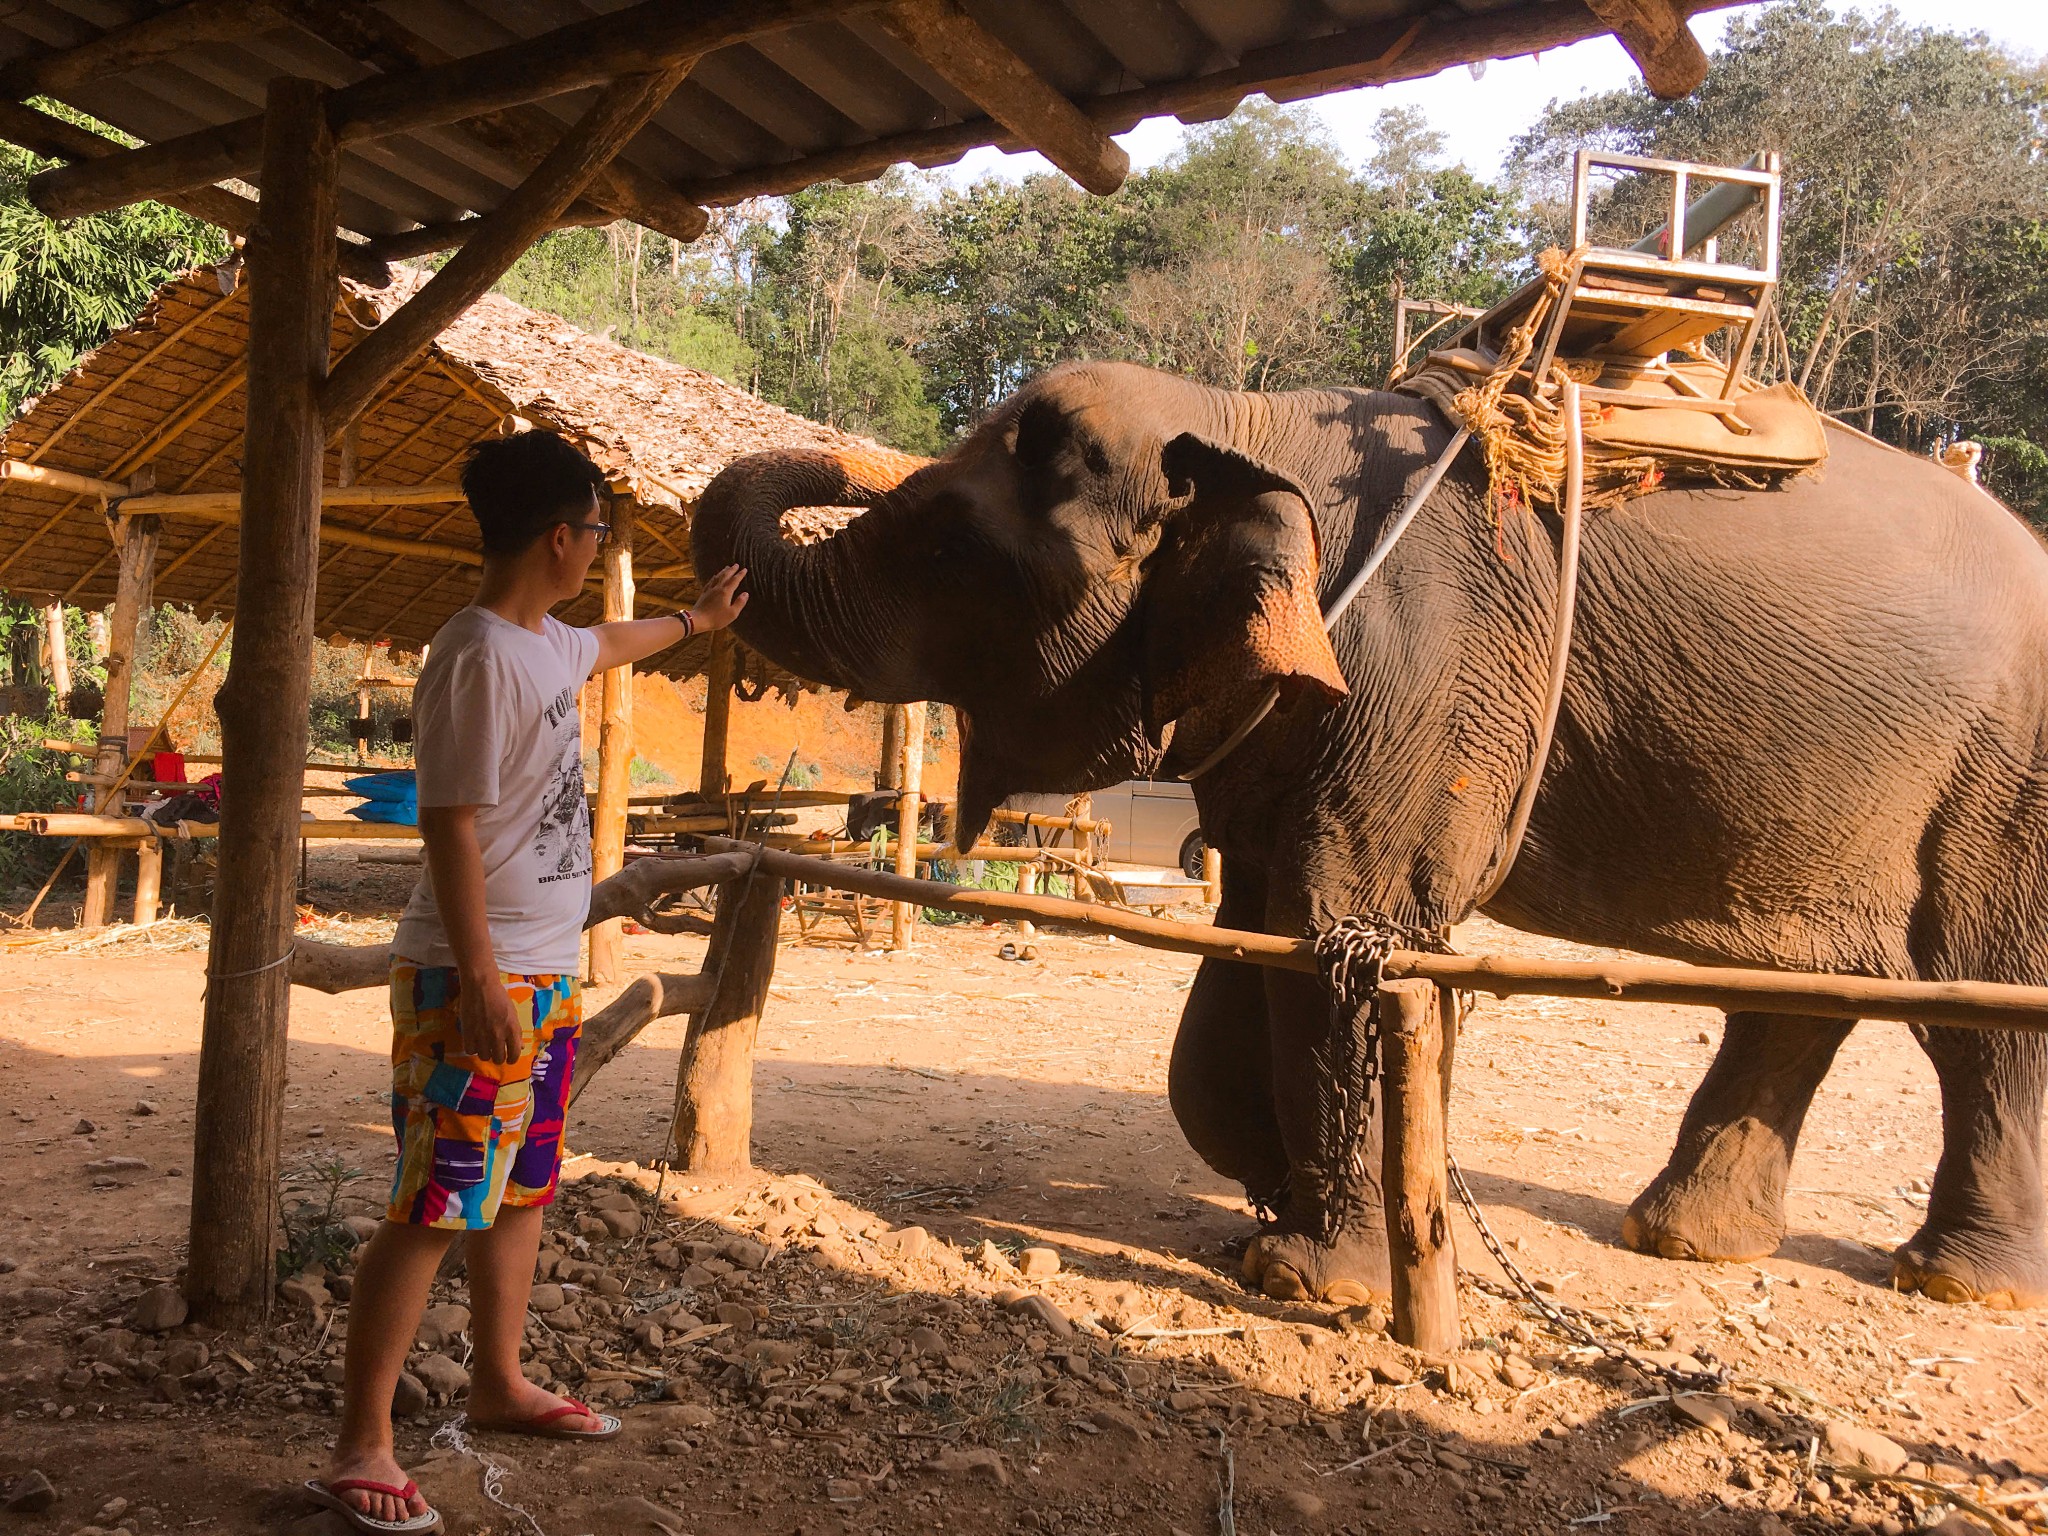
1911, 298
65, 287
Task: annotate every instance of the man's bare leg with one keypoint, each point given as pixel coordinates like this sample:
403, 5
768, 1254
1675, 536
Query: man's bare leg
392, 1280
500, 1263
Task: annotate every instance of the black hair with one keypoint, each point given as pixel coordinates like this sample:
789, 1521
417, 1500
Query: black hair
521, 486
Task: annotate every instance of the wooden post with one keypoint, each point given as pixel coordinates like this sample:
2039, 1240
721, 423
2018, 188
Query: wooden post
149, 881
1212, 875
1413, 1165
910, 726
712, 778
134, 577
60, 651
890, 773
614, 745
96, 632
715, 1085
239, 1124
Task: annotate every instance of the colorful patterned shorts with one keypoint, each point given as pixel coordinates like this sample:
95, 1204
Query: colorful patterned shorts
473, 1135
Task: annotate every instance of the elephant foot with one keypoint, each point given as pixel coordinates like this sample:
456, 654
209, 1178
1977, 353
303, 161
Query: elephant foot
1999, 1270
1675, 1219
1290, 1266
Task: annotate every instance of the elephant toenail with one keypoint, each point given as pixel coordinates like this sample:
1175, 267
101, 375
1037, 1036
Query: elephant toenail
1671, 1246
1346, 1293
1283, 1283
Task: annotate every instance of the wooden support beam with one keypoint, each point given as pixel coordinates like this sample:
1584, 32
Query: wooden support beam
1413, 1166
429, 238
102, 871
209, 508
1212, 875
59, 480
524, 135
619, 112
56, 139
149, 881
134, 588
719, 675
983, 68
238, 1145
206, 503
890, 773
118, 50
614, 745
1374, 53
714, 1115
1656, 37
909, 805
650, 37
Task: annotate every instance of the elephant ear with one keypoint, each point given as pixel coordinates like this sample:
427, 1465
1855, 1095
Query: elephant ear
1230, 595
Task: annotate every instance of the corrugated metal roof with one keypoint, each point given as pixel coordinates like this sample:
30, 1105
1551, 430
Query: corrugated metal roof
752, 115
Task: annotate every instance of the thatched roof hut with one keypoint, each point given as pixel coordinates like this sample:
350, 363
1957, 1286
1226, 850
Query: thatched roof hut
155, 414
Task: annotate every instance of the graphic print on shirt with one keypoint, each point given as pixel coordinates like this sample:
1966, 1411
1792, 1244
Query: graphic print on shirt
561, 843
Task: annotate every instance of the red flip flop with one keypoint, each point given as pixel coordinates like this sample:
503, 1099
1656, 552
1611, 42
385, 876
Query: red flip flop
329, 1496
548, 1426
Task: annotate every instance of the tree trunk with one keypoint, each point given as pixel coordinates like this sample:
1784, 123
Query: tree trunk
715, 1084
890, 774
614, 745
133, 583
238, 1138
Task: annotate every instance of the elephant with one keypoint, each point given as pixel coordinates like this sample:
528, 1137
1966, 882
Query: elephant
1802, 728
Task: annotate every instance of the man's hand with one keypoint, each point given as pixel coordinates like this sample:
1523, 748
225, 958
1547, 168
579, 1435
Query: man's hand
490, 1024
721, 600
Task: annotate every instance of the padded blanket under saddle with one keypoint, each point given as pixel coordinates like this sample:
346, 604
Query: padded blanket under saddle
1681, 431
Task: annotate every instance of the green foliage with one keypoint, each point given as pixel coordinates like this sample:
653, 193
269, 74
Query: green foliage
641, 772
65, 286
1914, 293
31, 780
313, 1230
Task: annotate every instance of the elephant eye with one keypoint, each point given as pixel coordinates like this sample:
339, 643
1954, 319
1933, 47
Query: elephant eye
1039, 433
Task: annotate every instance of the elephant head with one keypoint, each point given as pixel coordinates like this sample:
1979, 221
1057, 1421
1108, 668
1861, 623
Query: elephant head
1093, 569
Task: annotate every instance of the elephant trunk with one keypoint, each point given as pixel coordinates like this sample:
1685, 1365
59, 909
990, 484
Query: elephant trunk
826, 610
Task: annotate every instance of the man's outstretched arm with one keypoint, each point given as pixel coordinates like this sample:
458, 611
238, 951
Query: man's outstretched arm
625, 641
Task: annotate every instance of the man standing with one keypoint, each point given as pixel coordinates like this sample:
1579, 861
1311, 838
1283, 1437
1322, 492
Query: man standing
484, 1003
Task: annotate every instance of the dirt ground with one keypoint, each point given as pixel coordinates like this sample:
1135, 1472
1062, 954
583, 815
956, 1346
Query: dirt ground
848, 1343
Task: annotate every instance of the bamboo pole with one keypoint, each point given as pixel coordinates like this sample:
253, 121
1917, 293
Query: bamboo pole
204, 503
87, 824
1212, 875
60, 651
614, 744
239, 1121
903, 921
712, 777
889, 772
1414, 1166
1963, 1004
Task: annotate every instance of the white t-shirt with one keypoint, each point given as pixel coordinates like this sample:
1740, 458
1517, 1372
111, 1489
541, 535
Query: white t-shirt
495, 726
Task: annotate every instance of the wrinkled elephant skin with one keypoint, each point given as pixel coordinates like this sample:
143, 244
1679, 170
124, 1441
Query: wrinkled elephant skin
1804, 728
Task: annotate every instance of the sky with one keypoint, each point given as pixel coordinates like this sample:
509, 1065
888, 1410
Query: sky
1479, 117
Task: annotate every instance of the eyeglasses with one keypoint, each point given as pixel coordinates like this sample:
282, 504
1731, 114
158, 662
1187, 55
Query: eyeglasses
602, 530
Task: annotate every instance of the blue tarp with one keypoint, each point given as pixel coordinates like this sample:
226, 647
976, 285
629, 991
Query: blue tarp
391, 797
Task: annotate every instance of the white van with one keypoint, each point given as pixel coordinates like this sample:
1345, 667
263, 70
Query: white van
1152, 821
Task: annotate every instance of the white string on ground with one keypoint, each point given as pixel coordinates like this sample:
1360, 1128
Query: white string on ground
492, 1477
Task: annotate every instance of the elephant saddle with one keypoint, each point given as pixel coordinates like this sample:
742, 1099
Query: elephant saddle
1655, 406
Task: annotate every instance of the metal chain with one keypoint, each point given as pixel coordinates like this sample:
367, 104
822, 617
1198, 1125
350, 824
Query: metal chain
1569, 1320
1353, 953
